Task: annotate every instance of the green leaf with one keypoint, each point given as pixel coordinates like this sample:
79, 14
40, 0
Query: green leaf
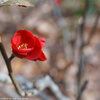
23, 3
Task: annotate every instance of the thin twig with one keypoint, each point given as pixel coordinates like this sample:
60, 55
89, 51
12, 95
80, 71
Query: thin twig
3, 52
93, 29
65, 32
82, 90
11, 57
82, 60
82, 26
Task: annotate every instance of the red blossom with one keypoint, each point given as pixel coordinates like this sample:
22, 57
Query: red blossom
25, 45
58, 2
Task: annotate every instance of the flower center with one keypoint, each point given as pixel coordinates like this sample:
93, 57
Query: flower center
23, 46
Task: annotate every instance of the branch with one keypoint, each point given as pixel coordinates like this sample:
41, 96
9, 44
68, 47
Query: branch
48, 82
38, 87
8, 63
82, 25
82, 59
82, 90
60, 22
93, 29
11, 57
80, 69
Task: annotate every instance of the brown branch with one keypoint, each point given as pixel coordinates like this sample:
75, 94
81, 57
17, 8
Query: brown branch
93, 29
82, 26
7, 61
82, 90
3, 52
11, 57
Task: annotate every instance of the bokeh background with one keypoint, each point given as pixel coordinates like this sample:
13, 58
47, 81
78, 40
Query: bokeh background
60, 26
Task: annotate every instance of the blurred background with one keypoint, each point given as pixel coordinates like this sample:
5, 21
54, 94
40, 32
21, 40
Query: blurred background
72, 32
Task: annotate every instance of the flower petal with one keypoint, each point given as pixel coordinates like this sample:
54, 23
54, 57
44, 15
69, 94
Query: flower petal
42, 57
42, 41
36, 52
22, 36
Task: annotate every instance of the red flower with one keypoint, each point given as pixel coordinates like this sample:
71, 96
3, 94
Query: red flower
25, 45
58, 2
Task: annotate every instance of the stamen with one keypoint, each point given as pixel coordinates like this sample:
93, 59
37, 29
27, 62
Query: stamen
23, 46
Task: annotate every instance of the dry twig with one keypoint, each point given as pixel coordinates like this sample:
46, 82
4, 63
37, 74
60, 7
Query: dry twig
40, 85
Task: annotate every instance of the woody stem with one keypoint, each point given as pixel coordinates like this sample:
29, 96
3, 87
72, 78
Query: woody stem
11, 57
8, 63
